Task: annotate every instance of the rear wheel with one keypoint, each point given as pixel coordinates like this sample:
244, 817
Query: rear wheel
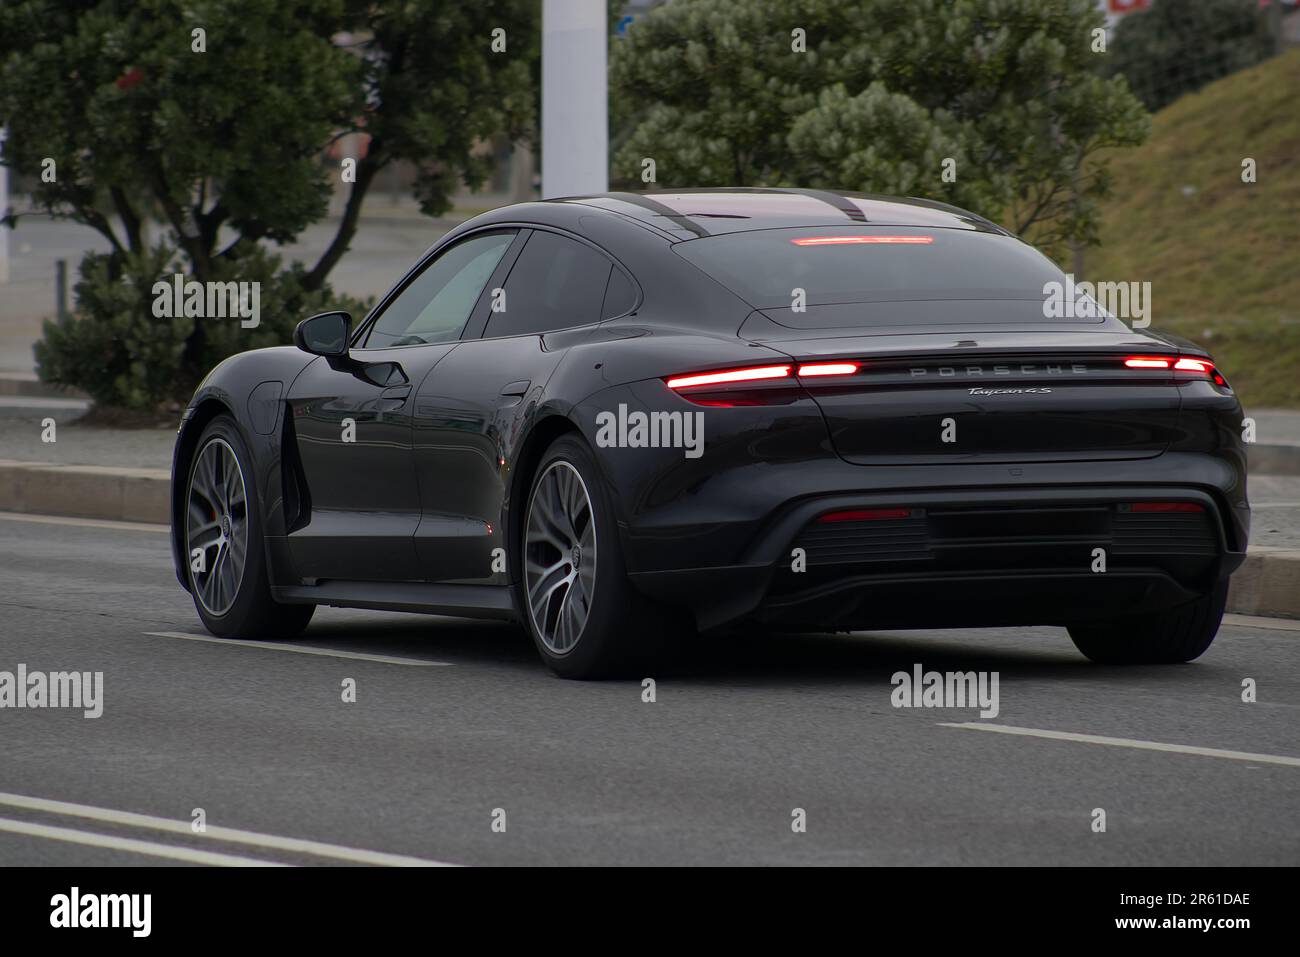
224, 549
584, 616
1171, 637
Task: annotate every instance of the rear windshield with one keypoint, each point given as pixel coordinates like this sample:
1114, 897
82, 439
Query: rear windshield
838, 264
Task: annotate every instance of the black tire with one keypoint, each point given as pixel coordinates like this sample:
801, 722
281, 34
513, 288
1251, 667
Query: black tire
1172, 637
623, 631
245, 610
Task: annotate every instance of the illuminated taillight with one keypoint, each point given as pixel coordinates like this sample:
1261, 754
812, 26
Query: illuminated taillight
751, 374
1166, 507
1178, 364
828, 368
865, 515
863, 240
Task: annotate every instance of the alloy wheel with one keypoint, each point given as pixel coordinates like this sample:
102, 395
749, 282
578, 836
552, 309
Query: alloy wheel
216, 527
560, 557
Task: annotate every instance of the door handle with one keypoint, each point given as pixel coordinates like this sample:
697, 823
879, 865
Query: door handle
516, 388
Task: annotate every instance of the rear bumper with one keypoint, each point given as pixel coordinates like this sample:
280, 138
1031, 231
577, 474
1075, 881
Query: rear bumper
967, 557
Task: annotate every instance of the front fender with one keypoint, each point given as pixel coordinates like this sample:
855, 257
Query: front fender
250, 388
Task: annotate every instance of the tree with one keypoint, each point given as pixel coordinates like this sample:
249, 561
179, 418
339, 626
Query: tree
990, 104
1178, 46
213, 119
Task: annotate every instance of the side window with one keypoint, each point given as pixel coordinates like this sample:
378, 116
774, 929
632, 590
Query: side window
557, 283
437, 303
619, 295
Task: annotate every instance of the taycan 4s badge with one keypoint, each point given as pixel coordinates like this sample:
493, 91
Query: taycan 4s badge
1010, 391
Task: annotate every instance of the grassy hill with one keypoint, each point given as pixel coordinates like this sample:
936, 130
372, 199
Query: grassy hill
1222, 256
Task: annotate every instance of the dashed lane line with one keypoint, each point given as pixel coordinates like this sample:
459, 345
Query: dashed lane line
302, 649
1127, 743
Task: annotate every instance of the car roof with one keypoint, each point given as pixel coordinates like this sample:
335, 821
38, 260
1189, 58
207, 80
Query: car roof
694, 213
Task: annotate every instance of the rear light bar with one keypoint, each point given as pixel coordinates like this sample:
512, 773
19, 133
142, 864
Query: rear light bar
864, 515
1178, 364
762, 373
863, 240
828, 368
751, 374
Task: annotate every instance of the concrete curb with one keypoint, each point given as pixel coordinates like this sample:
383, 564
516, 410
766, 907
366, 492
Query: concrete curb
15, 384
1276, 458
86, 491
1267, 585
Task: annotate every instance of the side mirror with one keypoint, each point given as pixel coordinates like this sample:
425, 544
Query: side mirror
324, 335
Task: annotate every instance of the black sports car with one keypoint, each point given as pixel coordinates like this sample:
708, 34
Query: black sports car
622, 418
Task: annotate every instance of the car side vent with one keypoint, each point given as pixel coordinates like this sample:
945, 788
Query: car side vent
297, 497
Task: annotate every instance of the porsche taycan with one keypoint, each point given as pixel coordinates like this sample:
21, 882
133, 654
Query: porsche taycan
621, 420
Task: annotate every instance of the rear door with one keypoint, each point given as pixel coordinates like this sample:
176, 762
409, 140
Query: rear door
473, 409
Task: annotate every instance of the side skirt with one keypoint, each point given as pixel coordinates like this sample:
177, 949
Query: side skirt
493, 602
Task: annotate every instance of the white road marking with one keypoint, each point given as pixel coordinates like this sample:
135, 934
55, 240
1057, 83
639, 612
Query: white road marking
226, 834
1127, 743
84, 522
112, 842
1255, 621
303, 649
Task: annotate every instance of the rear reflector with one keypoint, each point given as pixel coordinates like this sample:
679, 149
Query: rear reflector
828, 368
865, 515
752, 374
1166, 507
863, 240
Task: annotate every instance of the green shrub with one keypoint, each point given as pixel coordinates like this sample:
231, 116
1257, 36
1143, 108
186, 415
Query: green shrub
113, 347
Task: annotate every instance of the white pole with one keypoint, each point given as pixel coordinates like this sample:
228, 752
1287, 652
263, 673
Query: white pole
4, 209
575, 120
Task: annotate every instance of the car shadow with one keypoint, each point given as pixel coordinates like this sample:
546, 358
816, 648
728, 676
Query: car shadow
743, 656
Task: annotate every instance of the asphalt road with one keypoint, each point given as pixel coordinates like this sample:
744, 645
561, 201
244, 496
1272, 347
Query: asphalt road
747, 729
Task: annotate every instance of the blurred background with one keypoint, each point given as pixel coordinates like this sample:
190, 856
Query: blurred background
317, 147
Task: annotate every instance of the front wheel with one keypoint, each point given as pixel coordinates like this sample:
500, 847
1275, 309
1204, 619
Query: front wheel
224, 550
1171, 637
583, 614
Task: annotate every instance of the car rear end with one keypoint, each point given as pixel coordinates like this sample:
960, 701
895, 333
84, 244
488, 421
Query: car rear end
986, 455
